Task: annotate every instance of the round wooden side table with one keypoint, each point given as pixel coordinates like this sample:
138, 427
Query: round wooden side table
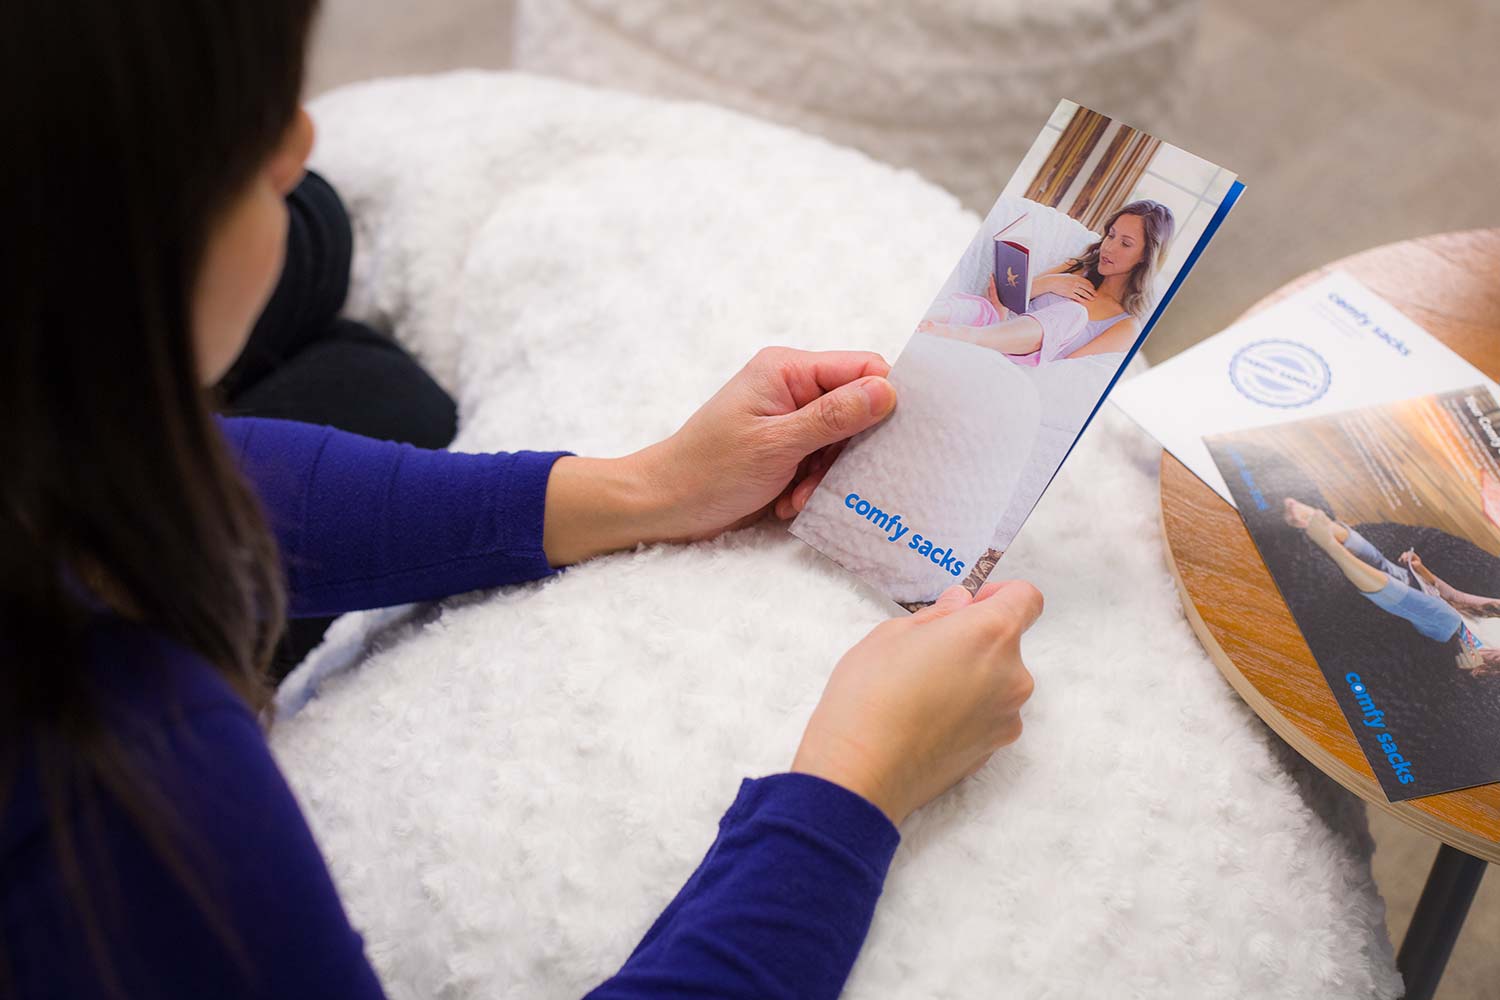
1450, 285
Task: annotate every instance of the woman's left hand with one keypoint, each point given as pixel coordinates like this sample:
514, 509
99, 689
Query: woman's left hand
760, 445
763, 442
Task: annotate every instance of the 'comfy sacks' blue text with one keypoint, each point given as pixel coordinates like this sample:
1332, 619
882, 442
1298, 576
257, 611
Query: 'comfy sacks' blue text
926, 547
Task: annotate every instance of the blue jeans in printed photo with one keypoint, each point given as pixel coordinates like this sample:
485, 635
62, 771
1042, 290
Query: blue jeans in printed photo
1432, 616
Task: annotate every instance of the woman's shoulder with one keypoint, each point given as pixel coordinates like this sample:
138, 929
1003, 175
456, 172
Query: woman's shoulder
1106, 307
144, 678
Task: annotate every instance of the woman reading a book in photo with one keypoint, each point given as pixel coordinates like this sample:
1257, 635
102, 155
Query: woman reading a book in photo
1411, 591
149, 549
1092, 304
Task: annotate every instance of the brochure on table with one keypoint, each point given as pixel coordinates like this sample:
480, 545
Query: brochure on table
1332, 346
1381, 528
990, 400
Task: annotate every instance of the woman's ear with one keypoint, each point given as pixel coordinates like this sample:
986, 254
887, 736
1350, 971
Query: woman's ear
289, 161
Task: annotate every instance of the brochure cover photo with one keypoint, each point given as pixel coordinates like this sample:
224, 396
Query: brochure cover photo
1063, 281
1381, 528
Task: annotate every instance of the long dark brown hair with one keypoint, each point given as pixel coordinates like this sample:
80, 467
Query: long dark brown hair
1157, 221
129, 128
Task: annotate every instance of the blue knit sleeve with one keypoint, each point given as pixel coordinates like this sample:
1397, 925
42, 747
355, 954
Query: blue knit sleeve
365, 524
780, 905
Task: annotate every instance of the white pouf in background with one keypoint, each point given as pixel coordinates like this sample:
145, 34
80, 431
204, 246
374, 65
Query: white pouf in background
510, 786
956, 89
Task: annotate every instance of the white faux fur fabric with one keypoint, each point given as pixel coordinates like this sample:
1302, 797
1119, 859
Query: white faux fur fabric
956, 89
509, 786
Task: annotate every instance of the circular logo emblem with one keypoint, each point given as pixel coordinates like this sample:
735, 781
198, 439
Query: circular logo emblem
1279, 373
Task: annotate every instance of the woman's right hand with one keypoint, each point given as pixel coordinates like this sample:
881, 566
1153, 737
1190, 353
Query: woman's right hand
922, 702
1069, 286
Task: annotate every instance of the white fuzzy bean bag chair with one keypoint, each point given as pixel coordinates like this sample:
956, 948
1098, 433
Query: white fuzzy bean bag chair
509, 786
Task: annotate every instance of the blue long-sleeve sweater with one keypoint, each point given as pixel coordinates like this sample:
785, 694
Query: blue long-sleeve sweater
778, 907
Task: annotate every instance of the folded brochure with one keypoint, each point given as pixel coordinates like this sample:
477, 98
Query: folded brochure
991, 399
1381, 529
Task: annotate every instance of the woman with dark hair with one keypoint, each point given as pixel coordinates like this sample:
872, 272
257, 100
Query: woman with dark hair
1088, 305
150, 550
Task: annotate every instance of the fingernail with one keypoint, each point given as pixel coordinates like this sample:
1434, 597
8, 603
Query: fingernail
955, 594
881, 394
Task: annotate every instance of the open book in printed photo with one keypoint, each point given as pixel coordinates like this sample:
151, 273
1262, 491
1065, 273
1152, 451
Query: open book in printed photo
1066, 276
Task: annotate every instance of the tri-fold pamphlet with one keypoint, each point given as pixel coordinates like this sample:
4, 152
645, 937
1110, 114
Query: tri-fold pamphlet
1381, 528
1334, 345
1103, 221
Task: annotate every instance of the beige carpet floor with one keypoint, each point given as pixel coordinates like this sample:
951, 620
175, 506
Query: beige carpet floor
1353, 122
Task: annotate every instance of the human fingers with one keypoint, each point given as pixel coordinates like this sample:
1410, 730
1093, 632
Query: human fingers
988, 588
1010, 729
806, 375
834, 416
817, 468
783, 507
1013, 601
948, 601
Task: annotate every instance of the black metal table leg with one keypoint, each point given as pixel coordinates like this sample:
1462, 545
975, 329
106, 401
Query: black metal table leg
1437, 920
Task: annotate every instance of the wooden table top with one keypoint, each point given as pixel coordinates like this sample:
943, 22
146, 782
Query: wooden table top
1449, 284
